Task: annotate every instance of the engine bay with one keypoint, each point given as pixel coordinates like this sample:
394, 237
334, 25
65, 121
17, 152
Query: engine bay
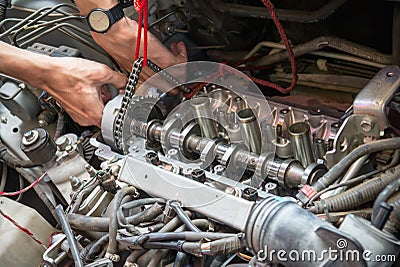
258, 151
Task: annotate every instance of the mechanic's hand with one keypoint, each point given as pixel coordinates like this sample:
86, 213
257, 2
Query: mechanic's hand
120, 42
80, 86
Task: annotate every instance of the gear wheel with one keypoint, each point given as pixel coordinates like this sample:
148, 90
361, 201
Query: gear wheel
140, 109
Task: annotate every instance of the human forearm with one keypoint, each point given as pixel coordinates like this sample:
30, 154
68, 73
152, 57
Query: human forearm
120, 40
23, 65
79, 85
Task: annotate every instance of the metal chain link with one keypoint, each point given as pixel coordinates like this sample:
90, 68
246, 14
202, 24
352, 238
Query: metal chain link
130, 89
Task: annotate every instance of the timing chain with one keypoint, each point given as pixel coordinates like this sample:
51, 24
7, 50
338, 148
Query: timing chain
130, 89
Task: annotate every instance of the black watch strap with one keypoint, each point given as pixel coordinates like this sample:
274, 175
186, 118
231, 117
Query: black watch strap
116, 13
126, 3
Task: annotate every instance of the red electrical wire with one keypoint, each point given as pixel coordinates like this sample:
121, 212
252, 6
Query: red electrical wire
141, 6
289, 50
25, 230
11, 194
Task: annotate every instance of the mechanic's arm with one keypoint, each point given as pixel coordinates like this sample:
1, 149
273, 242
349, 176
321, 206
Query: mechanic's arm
79, 85
120, 40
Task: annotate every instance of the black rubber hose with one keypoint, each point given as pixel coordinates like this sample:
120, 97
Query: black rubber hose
188, 236
383, 196
145, 216
134, 256
145, 259
73, 244
96, 248
393, 225
396, 35
357, 195
60, 125
3, 9
183, 217
202, 223
113, 227
333, 174
87, 223
12, 161
180, 259
174, 245
125, 208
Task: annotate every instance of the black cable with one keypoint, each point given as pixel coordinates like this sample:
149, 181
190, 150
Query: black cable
12, 161
180, 259
355, 180
126, 207
333, 174
384, 195
69, 235
163, 245
183, 217
96, 248
113, 227
187, 236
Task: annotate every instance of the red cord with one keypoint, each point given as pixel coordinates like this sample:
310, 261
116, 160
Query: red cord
25, 230
141, 6
289, 50
11, 194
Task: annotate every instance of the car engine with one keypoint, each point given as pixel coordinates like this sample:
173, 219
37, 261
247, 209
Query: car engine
276, 144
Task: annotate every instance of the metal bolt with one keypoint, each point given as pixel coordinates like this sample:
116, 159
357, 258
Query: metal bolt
30, 137
4, 120
75, 182
69, 148
22, 86
62, 142
42, 123
219, 169
366, 125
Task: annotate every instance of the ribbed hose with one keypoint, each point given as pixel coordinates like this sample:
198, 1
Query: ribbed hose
393, 225
334, 173
357, 195
3, 9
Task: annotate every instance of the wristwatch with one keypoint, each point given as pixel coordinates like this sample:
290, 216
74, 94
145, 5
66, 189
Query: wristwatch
100, 20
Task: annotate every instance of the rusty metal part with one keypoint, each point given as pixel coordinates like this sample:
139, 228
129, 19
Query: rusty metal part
283, 14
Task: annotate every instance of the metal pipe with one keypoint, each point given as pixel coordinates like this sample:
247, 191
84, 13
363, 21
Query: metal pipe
321, 42
300, 137
302, 16
70, 237
251, 131
327, 54
201, 110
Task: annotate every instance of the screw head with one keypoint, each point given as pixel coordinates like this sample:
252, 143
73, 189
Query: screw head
30, 137
367, 125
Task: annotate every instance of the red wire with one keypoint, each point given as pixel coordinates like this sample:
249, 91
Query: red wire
141, 6
11, 194
25, 230
289, 50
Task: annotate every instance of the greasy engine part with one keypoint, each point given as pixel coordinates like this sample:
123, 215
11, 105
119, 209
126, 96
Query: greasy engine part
213, 178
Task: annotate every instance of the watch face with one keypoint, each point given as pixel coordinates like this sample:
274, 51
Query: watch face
98, 21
